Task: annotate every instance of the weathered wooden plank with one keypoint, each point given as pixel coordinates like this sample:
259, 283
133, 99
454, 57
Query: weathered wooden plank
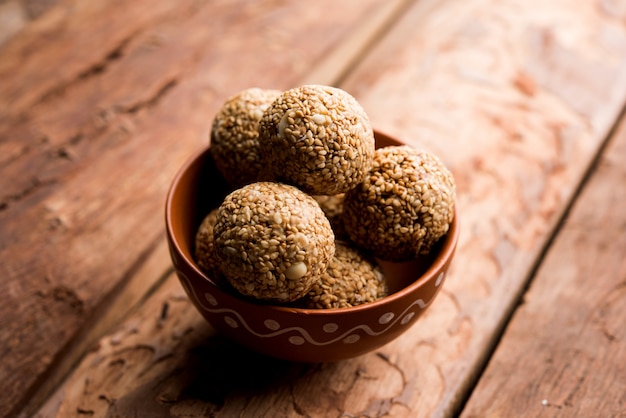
165, 360
160, 354
12, 19
563, 352
485, 85
100, 102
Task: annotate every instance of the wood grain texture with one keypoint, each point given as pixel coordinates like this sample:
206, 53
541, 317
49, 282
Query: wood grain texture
100, 103
516, 97
337, 64
166, 361
16, 14
563, 353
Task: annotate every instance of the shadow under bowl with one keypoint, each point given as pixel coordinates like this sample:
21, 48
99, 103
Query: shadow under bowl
295, 334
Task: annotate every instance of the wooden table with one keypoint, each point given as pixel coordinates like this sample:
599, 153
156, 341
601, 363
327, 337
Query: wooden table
102, 101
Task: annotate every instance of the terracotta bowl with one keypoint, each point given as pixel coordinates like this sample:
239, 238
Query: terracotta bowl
305, 335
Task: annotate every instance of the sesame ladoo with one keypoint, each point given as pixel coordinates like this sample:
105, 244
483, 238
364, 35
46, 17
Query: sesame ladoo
273, 241
318, 138
235, 135
332, 205
204, 253
404, 205
351, 279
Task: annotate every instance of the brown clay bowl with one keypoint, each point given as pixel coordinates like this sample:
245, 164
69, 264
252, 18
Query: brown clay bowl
305, 335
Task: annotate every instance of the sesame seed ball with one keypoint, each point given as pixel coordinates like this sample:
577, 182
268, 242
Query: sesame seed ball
273, 241
204, 250
318, 138
235, 135
351, 279
403, 206
333, 208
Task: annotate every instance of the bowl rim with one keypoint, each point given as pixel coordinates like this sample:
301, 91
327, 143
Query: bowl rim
446, 253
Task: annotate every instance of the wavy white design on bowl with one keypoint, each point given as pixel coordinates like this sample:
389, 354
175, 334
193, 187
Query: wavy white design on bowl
386, 318
348, 337
439, 279
330, 327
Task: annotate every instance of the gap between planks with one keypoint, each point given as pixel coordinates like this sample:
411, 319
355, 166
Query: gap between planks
545, 249
338, 64
549, 385
142, 280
